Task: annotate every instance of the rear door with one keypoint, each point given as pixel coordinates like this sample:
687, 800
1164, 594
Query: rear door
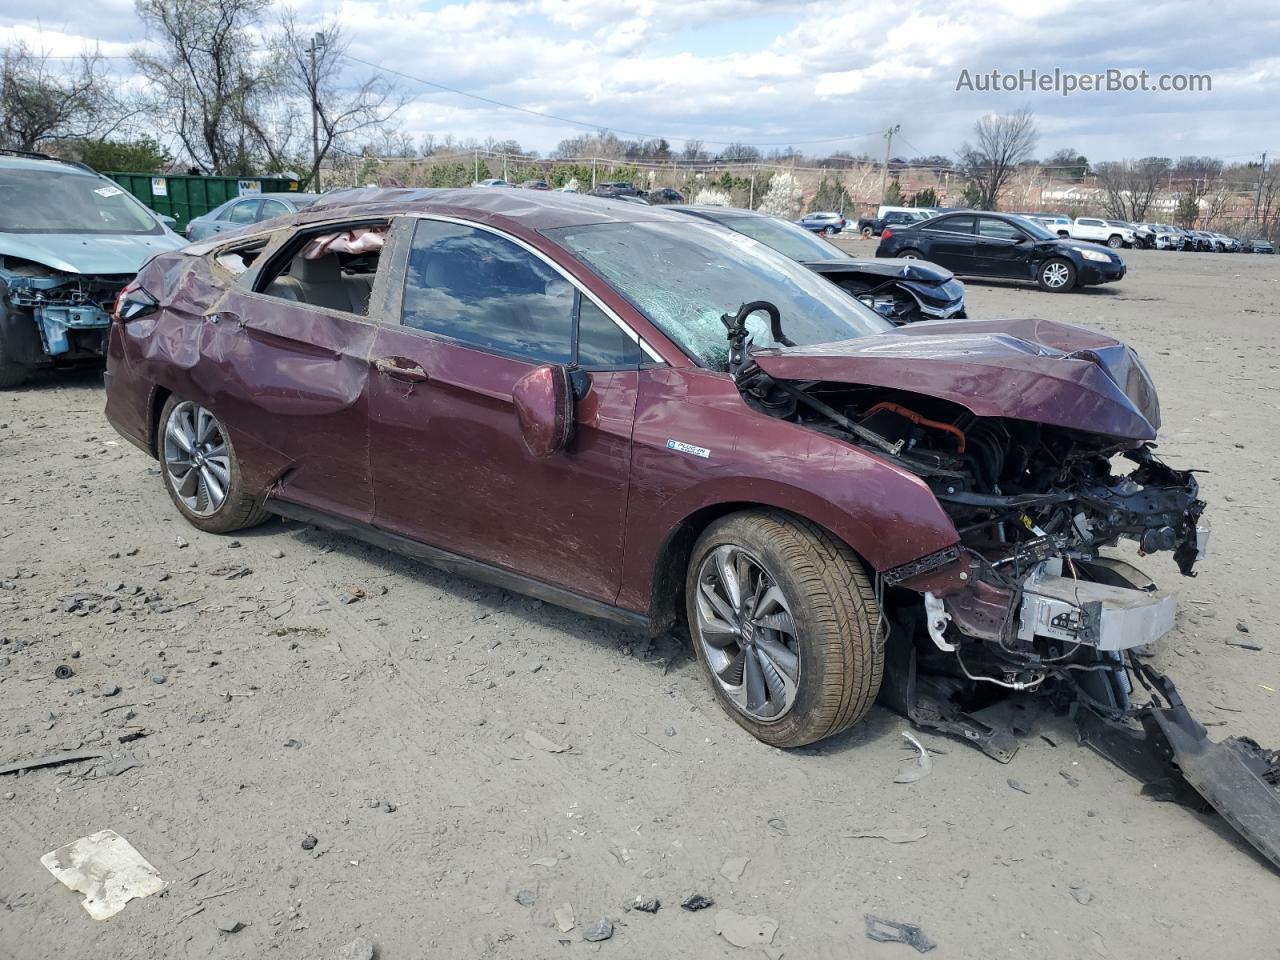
479, 311
287, 355
950, 242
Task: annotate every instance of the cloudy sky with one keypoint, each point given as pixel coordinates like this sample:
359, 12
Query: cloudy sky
820, 75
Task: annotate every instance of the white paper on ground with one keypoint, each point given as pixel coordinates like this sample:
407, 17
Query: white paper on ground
107, 869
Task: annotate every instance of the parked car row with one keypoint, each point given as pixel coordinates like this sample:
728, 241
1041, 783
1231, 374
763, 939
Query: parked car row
1148, 236
608, 189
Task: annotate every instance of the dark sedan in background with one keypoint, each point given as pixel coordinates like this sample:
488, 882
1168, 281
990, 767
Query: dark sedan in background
981, 244
242, 211
900, 291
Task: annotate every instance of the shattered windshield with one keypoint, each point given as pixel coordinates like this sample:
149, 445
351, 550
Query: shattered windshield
54, 201
787, 238
684, 276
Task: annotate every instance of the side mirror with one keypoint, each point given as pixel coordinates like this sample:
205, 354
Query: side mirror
544, 402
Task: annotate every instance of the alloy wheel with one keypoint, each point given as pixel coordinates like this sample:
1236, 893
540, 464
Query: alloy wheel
1056, 275
747, 633
197, 460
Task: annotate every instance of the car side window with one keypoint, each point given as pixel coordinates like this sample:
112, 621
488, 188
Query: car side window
244, 212
952, 225
601, 342
333, 268
485, 291
998, 229
272, 208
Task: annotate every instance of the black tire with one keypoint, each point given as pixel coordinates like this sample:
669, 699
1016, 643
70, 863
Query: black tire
1115, 241
909, 254
837, 623
1064, 235
240, 508
13, 372
867, 233
828, 231
1053, 279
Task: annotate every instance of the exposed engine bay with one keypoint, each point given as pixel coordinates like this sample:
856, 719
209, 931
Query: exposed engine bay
71, 311
1030, 599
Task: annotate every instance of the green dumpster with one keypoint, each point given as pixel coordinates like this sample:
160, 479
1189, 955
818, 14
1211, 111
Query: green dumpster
184, 197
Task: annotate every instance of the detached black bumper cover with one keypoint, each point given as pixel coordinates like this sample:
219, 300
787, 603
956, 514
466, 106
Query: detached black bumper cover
1236, 777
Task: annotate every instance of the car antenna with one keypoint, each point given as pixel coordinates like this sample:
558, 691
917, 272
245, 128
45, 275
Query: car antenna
740, 342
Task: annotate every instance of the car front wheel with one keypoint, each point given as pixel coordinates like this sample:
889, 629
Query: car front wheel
201, 471
1056, 276
828, 231
910, 254
1115, 243
786, 627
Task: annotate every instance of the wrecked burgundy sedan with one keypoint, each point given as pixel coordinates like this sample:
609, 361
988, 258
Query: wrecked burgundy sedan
646, 418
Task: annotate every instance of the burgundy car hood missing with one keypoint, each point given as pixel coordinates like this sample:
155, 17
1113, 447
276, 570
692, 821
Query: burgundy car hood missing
1037, 370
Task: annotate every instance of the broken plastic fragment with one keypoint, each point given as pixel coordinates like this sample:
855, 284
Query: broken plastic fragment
107, 869
886, 931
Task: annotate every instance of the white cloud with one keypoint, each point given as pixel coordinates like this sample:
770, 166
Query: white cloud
770, 71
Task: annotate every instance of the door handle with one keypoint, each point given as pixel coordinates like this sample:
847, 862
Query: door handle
398, 369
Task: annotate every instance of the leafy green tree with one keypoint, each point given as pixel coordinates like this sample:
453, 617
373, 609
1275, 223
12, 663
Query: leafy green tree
144, 155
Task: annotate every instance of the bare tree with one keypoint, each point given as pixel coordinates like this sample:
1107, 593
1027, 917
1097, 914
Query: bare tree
39, 106
1131, 185
311, 65
202, 69
1003, 142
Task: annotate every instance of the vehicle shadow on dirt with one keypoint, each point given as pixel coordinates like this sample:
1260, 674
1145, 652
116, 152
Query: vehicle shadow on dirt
1001, 284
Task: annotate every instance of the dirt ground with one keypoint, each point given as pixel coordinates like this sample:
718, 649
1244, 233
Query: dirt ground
394, 729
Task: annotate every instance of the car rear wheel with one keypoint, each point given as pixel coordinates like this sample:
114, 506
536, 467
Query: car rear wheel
201, 471
1115, 242
828, 231
1056, 275
867, 233
910, 254
786, 627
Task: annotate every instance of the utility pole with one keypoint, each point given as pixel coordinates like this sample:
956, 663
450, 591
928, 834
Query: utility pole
1257, 203
314, 46
888, 146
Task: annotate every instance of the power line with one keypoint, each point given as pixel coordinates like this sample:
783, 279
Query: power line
593, 126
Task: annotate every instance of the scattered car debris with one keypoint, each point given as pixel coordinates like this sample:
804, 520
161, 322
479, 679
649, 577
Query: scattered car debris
602, 929
357, 949
63, 672
107, 869
526, 898
1018, 785
697, 901
309, 842
905, 835
645, 905
1243, 644
53, 760
887, 931
733, 868
535, 739
924, 766
1082, 896
229, 924
564, 917
109, 689
745, 931
1071, 780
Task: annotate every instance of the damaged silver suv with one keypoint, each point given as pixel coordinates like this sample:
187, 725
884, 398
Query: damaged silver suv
70, 239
